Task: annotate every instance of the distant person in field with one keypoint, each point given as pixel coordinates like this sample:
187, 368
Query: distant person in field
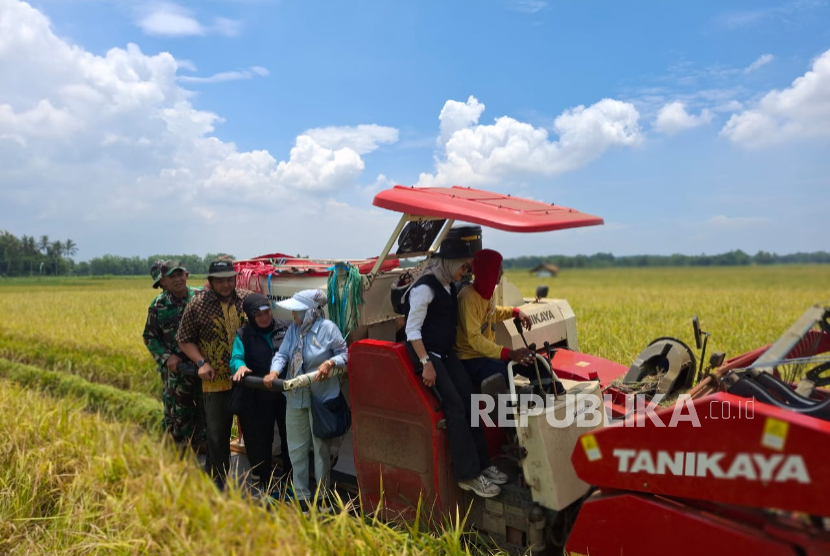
254, 347
312, 343
475, 336
206, 335
184, 417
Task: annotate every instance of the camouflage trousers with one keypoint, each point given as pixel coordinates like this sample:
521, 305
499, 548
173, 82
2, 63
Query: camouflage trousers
184, 412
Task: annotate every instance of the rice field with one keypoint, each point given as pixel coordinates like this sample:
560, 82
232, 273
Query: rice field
83, 469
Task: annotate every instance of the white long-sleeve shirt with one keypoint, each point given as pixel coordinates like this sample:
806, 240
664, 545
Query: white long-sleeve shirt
419, 299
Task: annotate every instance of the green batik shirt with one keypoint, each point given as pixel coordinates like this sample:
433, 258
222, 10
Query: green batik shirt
163, 317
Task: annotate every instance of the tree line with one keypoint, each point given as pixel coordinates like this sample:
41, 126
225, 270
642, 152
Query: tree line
30, 256
607, 260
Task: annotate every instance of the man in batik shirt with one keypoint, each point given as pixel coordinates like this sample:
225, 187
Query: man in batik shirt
206, 336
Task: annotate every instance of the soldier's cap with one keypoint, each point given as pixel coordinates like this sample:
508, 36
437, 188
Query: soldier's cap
155, 273
170, 266
221, 268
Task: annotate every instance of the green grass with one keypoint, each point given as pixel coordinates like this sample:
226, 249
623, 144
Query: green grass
620, 311
77, 476
121, 405
82, 326
74, 483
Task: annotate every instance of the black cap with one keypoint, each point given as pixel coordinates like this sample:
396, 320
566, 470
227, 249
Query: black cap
221, 268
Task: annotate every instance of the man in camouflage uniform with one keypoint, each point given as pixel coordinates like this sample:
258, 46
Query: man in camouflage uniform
206, 336
181, 395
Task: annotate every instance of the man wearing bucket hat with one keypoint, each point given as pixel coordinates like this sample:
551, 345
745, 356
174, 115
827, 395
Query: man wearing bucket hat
181, 396
312, 343
206, 335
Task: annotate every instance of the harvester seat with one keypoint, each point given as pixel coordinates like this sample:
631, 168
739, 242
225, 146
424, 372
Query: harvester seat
400, 447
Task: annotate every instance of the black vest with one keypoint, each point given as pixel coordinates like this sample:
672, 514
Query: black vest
438, 331
258, 353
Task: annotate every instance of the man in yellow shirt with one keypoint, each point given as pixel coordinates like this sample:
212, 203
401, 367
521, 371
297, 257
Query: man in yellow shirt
477, 317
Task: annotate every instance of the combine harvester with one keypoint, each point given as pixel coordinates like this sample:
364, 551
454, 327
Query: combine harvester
739, 467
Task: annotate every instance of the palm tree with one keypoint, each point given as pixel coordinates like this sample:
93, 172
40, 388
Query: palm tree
70, 248
43, 244
28, 243
56, 252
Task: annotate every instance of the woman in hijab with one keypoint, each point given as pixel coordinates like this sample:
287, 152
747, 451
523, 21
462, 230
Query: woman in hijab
478, 314
430, 334
253, 349
312, 343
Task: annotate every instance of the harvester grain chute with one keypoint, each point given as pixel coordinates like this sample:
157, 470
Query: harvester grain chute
586, 487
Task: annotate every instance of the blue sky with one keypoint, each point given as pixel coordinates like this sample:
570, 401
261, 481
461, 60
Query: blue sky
255, 126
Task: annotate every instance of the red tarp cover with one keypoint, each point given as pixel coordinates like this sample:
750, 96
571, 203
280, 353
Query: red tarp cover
282, 264
503, 212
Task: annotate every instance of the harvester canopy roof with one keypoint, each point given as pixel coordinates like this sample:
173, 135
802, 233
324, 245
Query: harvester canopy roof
502, 212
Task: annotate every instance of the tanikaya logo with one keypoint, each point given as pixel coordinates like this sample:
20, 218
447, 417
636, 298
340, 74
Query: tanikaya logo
718, 465
544, 316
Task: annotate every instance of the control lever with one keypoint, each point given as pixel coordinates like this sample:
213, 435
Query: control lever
517, 322
532, 347
550, 351
558, 387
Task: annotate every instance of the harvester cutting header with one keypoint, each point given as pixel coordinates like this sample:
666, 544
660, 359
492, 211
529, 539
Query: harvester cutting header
742, 485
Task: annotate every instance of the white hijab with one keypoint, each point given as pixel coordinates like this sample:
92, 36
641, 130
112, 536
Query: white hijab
443, 269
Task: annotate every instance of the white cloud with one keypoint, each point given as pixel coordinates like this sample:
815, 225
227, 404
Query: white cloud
735, 222
762, 60
221, 77
381, 182
457, 115
528, 6
790, 13
226, 27
508, 149
186, 64
114, 143
729, 106
800, 111
170, 20
362, 139
673, 118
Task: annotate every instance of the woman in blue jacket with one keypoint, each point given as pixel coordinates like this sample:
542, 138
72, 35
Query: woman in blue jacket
312, 343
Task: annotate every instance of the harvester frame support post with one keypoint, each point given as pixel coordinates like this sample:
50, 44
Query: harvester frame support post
406, 218
382, 258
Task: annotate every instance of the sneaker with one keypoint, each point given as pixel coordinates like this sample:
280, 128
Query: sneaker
324, 508
481, 486
496, 477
